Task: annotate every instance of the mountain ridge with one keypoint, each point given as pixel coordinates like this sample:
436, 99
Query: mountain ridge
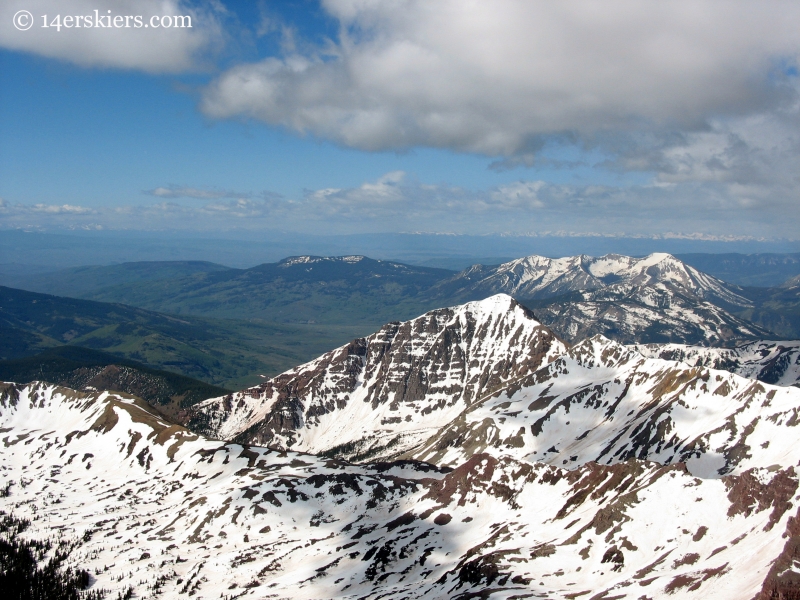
657, 298
86, 369
188, 514
605, 402
445, 358
329, 406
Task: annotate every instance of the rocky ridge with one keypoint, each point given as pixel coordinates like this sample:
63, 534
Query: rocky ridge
381, 395
777, 363
158, 511
607, 403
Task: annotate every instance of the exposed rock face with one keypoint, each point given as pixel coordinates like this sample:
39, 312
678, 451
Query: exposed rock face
653, 299
605, 402
153, 507
379, 396
777, 363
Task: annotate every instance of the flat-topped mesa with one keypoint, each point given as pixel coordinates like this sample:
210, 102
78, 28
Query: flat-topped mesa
381, 395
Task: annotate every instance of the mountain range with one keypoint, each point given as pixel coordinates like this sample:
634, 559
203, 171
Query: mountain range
312, 304
432, 389
492, 459
282, 314
299, 289
657, 298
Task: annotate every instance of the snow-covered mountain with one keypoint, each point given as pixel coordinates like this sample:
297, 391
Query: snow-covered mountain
384, 394
152, 509
438, 388
629, 321
653, 299
542, 277
772, 362
607, 403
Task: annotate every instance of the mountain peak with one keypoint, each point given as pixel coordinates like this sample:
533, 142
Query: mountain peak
498, 304
380, 396
309, 259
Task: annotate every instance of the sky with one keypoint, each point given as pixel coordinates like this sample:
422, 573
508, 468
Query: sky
622, 117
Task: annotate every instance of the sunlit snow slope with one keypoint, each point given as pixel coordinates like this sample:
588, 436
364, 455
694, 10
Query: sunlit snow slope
605, 402
171, 515
772, 362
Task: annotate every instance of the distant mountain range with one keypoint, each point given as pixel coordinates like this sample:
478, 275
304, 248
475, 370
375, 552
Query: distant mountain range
174, 315
302, 289
653, 299
675, 298
538, 277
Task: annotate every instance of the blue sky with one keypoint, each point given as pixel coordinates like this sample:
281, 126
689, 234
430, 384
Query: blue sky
94, 137
348, 117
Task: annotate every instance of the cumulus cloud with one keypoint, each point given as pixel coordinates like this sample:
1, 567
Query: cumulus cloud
149, 49
498, 78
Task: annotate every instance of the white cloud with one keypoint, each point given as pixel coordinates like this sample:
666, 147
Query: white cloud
174, 191
149, 49
396, 202
521, 193
63, 209
497, 77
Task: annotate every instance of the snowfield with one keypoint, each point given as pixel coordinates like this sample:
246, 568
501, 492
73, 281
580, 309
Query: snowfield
171, 514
